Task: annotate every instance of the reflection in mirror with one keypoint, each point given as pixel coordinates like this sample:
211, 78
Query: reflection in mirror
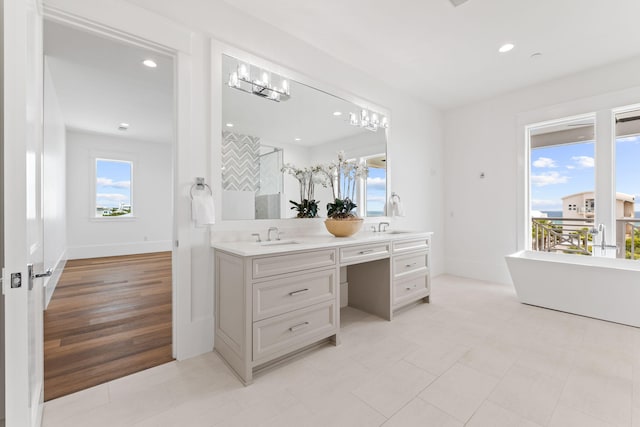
305, 128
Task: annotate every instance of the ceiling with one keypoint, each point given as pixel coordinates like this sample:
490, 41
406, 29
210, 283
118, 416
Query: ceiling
101, 83
448, 56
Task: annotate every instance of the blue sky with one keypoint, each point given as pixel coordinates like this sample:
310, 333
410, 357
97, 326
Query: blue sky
376, 189
561, 170
113, 183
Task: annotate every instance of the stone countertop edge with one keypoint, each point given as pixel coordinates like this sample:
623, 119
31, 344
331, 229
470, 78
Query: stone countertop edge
303, 243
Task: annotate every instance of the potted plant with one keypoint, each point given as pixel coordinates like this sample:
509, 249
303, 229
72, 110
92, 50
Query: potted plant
343, 177
307, 177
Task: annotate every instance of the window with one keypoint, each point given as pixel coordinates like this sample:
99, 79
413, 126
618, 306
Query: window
628, 182
562, 185
376, 186
113, 188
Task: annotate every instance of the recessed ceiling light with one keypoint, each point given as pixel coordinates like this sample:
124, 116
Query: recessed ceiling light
297, 139
123, 126
506, 47
337, 113
149, 63
229, 125
536, 55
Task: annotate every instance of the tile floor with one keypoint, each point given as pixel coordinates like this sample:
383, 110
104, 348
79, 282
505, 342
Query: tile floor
473, 357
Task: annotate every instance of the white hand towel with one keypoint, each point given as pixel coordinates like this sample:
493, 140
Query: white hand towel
395, 206
202, 210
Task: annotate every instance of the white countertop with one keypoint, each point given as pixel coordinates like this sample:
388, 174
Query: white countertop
304, 243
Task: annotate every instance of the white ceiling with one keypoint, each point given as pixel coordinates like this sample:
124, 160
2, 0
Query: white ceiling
446, 55
101, 83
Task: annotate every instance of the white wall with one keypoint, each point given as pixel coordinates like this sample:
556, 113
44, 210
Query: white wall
54, 185
150, 229
481, 223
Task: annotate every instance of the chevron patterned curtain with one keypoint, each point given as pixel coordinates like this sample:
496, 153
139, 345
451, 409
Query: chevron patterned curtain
241, 168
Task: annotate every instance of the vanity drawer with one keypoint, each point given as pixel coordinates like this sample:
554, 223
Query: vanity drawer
288, 263
356, 254
282, 334
410, 265
400, 246
408, 290
281, 295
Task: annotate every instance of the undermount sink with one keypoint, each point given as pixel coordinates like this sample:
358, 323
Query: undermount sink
279, 242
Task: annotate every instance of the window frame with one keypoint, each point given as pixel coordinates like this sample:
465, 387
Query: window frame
113, 157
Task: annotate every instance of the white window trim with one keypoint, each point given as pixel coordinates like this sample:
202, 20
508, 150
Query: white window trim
115, 156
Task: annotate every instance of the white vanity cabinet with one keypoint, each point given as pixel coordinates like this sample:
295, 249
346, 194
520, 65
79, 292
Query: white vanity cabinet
274, 301
410, 267
268, 307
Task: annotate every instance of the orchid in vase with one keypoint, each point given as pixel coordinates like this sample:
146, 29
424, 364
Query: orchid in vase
343, 177
307, 178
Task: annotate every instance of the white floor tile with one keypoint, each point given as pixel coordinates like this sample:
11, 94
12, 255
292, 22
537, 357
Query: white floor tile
419, 413
460, 391
474, 355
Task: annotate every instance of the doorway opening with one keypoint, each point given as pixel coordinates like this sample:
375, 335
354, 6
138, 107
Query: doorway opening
109, 138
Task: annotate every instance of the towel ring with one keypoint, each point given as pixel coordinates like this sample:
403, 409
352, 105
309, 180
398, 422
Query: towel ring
200, 186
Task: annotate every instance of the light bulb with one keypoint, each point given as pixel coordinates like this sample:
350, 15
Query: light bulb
243, 72
265, 79
353, 119
285, 86
233, 80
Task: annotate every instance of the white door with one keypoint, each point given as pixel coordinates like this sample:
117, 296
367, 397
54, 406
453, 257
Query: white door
22, 148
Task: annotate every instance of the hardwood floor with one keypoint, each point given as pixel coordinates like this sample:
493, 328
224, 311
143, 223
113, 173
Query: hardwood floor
109, 317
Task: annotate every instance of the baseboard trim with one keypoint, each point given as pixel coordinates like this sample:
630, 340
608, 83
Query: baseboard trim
116, 249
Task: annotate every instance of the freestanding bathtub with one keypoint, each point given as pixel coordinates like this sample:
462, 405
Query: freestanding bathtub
603, 288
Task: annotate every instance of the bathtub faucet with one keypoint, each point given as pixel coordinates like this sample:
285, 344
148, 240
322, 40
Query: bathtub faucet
601, 229
603, 242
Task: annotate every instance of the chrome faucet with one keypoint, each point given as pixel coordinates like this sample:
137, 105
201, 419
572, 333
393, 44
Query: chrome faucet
269, 233
601, 229
386, 224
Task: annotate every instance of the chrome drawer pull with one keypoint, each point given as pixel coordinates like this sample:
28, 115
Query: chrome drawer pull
300, 292
410, 265
299, 326
368, 251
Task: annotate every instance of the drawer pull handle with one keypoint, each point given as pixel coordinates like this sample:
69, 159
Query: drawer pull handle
368, 251
413, 264
300, 292
299, 326
410, 288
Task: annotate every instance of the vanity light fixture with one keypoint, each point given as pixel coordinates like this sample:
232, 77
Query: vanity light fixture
506, 47
369, 120
251, 79
150, 63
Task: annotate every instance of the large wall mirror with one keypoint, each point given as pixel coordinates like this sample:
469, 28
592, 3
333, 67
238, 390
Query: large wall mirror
308, 127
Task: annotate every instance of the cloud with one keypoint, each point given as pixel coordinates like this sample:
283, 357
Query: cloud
570, 167
584, 161
546, 205
634, 139
376, 199
545, 162
113, 197
108, 182
376, 183
548, 178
